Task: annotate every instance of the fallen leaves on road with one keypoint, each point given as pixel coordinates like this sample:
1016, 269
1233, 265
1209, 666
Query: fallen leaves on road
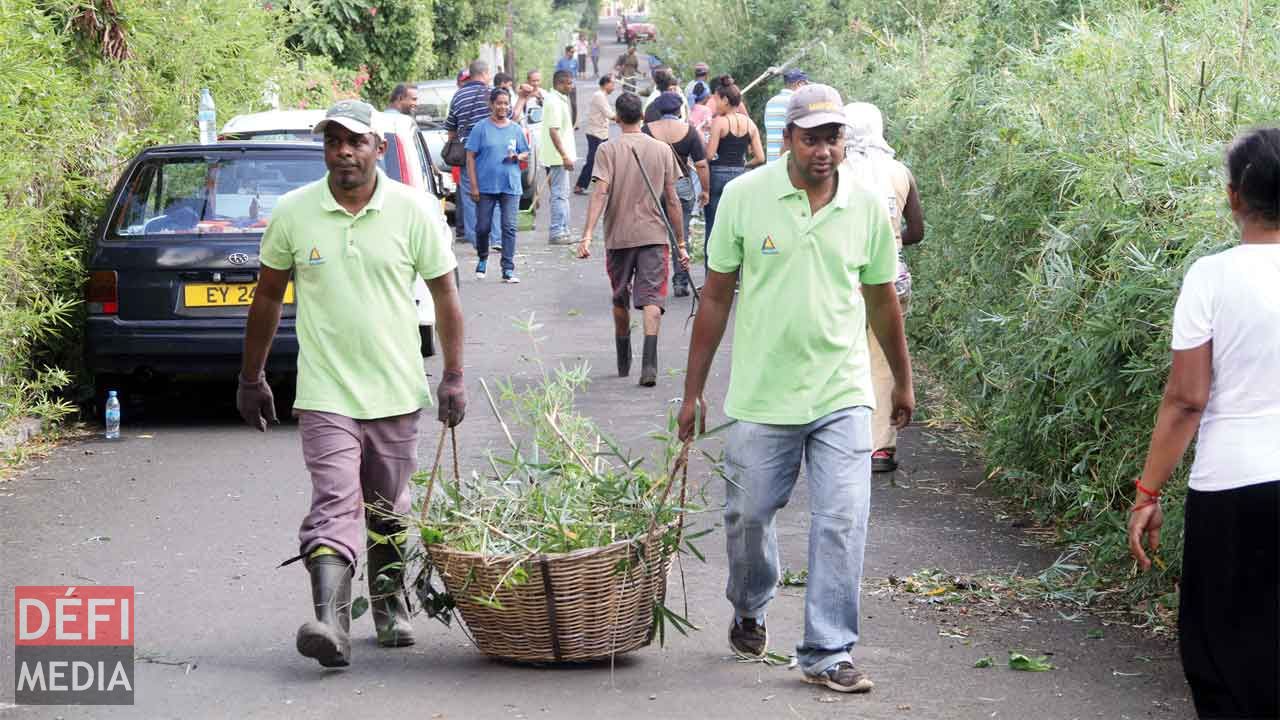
985, 662
1018, 661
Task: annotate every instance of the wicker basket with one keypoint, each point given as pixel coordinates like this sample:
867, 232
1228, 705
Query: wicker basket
574, 607
580, 606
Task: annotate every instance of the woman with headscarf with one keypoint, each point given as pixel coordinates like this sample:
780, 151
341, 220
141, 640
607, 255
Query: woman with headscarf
870, 161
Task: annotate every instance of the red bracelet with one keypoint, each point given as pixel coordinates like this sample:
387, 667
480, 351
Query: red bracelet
1138, 484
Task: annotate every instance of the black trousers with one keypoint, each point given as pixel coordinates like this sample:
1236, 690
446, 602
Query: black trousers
1229, 604
584, 177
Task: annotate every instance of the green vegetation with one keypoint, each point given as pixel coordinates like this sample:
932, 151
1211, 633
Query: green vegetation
1069, 159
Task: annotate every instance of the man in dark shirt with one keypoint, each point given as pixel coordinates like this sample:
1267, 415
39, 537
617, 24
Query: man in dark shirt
470, 105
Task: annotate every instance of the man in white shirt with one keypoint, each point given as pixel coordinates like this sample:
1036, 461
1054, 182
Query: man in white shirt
599, 114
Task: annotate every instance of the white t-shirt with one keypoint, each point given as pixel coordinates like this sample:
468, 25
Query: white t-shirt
1233, 299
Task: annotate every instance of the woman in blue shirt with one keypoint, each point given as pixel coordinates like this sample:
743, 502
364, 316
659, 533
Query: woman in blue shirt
495, 149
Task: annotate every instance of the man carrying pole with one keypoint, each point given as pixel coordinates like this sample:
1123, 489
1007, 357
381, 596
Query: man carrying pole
636, 240
818, 260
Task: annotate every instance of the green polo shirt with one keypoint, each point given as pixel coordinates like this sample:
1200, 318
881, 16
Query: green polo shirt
800, 337
556, 113
359, 348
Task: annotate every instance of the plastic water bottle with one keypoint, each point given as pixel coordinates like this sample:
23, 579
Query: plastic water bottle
113, 415
208, 118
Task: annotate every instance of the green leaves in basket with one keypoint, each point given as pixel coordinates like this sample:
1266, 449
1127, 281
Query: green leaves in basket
1018, 661
490, 602
432, 536
359, 606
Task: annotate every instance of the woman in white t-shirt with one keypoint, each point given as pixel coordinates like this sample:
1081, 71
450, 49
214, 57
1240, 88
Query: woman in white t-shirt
1225, 382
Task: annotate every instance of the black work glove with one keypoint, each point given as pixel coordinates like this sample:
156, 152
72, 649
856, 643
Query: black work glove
451, 396
256, 403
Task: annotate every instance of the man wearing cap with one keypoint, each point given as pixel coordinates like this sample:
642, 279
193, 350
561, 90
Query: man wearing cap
700, 73
354, 241
559, 153
818, 261
775, 113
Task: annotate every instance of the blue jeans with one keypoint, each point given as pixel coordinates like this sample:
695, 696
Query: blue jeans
558, 179
763, 462
680, 276
469, 210
720, 176
507, 205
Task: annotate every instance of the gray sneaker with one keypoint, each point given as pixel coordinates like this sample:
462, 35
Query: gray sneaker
560, 240
748, 638
842, 677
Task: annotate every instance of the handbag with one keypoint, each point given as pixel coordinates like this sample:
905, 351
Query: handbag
454, 153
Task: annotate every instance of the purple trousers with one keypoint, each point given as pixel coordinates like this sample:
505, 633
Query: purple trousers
354, 462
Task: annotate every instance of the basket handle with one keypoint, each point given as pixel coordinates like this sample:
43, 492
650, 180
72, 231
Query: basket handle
680, 466
445, 431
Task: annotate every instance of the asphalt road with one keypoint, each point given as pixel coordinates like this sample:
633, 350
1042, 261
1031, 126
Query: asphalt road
195, 511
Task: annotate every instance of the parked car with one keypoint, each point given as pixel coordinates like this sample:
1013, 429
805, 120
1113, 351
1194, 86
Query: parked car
173, 264
434, 97
637, 28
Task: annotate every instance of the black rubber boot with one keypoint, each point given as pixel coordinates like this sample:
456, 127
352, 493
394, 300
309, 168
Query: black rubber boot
328, 637
649, 362
624, 355
390, 612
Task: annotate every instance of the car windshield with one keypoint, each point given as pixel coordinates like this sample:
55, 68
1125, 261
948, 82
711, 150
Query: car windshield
199, 195
637, 18
433, 103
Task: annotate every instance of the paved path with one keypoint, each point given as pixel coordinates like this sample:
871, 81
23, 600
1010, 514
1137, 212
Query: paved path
196, 511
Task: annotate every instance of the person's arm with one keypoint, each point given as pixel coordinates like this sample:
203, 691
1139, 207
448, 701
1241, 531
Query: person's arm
599, 198
704, 179
554, 133
713, 143
708, 329
757, 150
1185, 395
254, 399
885, 317
471, 174
914, 216
451, 393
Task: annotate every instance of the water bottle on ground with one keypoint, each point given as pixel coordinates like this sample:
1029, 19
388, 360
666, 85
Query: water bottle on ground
113, 415
208, 119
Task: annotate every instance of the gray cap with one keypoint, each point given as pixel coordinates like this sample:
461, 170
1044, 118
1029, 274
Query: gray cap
814, 105
353, 115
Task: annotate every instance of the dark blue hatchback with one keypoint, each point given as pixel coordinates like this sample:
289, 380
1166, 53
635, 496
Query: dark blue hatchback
174, 263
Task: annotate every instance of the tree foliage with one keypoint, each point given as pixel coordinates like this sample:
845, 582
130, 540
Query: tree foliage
1069, 160
382, 38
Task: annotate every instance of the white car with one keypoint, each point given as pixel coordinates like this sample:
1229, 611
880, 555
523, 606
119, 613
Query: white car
406, 160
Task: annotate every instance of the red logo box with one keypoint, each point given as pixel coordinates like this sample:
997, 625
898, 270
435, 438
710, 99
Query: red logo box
73, 615
74, 645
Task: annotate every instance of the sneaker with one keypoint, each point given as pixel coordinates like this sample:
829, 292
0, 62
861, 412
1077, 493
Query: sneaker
842, 677
481, 268
748, 638
510, 278
561, 240
680, 291
882, 461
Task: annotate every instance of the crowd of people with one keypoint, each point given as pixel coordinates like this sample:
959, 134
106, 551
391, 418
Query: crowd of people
805, 223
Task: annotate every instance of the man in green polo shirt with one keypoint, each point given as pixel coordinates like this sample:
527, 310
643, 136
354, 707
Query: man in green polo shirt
354, 242
818, 260
558, 152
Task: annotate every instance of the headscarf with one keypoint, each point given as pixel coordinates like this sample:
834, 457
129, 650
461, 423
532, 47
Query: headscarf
866, 131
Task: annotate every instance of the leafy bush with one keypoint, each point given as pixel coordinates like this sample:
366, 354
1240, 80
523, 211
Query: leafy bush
1069, 163
73, 117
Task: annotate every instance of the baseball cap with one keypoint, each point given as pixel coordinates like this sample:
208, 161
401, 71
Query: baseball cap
814, 105
794, 76
700, 69
353, 115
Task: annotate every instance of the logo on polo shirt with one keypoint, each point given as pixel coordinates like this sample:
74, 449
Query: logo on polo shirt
768, 248
314, 258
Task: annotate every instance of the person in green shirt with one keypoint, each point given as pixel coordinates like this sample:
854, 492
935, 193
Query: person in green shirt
354, 242
817, 259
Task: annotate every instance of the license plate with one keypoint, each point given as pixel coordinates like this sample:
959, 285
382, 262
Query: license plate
224, 294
